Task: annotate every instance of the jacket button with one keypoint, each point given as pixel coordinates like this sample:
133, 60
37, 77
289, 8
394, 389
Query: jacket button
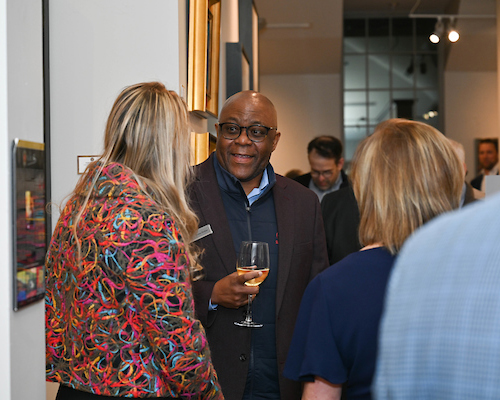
243, 357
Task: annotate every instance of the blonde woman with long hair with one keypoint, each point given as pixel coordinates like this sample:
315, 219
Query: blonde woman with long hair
403, 175
119, 309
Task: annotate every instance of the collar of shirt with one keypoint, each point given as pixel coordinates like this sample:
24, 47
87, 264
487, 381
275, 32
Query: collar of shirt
257, 192
493, 171
230, 184
320, 193
462, 197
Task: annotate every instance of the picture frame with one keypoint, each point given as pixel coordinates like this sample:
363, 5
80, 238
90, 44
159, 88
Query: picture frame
29, 218
204, 56
477, 142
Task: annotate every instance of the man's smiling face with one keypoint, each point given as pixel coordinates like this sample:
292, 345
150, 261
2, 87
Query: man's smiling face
244, 159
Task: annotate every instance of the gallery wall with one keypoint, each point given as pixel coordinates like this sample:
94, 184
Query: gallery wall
22, 354
307, 106
5, 213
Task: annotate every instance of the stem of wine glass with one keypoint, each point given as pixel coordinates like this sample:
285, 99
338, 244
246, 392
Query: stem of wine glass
248, 318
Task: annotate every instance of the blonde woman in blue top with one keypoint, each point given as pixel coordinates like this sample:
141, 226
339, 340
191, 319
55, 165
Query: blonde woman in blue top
403, 175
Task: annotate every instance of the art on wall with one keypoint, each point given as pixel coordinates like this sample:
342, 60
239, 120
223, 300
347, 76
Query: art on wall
204, 56
29, 222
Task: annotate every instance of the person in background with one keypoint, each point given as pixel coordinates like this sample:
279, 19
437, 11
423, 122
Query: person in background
325, 158
341, 219
403, 175
440, 330
469, 193
119, 310
488, 160
237, 196
293, 173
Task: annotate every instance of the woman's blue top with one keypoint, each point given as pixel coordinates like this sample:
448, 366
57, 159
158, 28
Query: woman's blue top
336, 332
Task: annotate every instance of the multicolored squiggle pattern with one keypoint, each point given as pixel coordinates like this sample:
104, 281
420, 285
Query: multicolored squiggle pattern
122, 324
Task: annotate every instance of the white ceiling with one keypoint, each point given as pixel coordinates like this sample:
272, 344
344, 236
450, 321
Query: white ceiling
317, 49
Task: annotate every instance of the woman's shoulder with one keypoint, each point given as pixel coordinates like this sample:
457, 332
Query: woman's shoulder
358, 264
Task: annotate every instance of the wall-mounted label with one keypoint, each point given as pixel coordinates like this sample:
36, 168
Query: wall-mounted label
84, 161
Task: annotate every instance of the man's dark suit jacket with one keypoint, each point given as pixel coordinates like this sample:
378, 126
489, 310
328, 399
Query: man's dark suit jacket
341, 220
306, 179
302, 255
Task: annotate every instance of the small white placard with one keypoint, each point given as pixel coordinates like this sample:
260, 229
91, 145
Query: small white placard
84, 161
492, 184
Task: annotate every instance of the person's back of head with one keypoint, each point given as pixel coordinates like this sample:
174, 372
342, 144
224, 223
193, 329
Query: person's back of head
148, 132
403, 175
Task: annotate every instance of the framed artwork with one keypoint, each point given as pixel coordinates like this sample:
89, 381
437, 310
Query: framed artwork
204, 56
199, 147
29, 222
477, 142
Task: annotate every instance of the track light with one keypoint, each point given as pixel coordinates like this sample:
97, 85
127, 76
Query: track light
453, 35
435, 37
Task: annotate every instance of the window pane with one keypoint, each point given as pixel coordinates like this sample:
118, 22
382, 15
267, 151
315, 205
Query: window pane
354, 72
427, 71
355, 108
424, 28
352, 136
427, 107
378, 71
403, 69
378, 35
402, 35
379, 106
354, 36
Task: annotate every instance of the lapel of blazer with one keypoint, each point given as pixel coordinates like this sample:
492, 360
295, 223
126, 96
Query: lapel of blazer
208, 195
284, 212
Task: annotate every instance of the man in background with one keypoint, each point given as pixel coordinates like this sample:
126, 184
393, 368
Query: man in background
325, 159
469, 193
488, 160
238, 197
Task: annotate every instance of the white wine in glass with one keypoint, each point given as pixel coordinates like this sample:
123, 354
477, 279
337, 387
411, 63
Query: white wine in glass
253, 256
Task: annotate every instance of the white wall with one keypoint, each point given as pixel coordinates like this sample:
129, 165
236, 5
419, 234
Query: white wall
471, 110
5, 214
22, 357
96, 49
307, 106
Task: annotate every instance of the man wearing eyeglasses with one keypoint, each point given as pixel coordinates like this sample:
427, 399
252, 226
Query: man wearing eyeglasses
238, 197
325, 158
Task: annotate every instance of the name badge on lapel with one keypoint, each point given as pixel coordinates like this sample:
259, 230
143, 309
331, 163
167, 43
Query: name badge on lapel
202, 232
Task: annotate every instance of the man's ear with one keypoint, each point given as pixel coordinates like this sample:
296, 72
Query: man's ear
340, 164
276, 140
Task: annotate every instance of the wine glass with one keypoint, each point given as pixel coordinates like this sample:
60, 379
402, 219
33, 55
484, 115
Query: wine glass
253, 256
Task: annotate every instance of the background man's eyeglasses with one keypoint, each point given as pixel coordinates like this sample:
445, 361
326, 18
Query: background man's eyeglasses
325, 174
256, 133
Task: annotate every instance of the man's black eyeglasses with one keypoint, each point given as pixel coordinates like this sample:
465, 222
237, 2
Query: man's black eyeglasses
256, 133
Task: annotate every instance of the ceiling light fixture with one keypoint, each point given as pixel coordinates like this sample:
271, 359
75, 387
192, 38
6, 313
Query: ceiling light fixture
289, 25
435, 36
453, 35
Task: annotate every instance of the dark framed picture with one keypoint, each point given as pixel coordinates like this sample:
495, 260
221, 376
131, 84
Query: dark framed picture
477, 142
29, 222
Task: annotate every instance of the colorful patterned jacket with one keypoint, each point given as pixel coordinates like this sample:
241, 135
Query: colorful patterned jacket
122, 323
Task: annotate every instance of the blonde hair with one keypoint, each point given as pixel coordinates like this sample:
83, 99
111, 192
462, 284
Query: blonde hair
148, 131
403, 175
